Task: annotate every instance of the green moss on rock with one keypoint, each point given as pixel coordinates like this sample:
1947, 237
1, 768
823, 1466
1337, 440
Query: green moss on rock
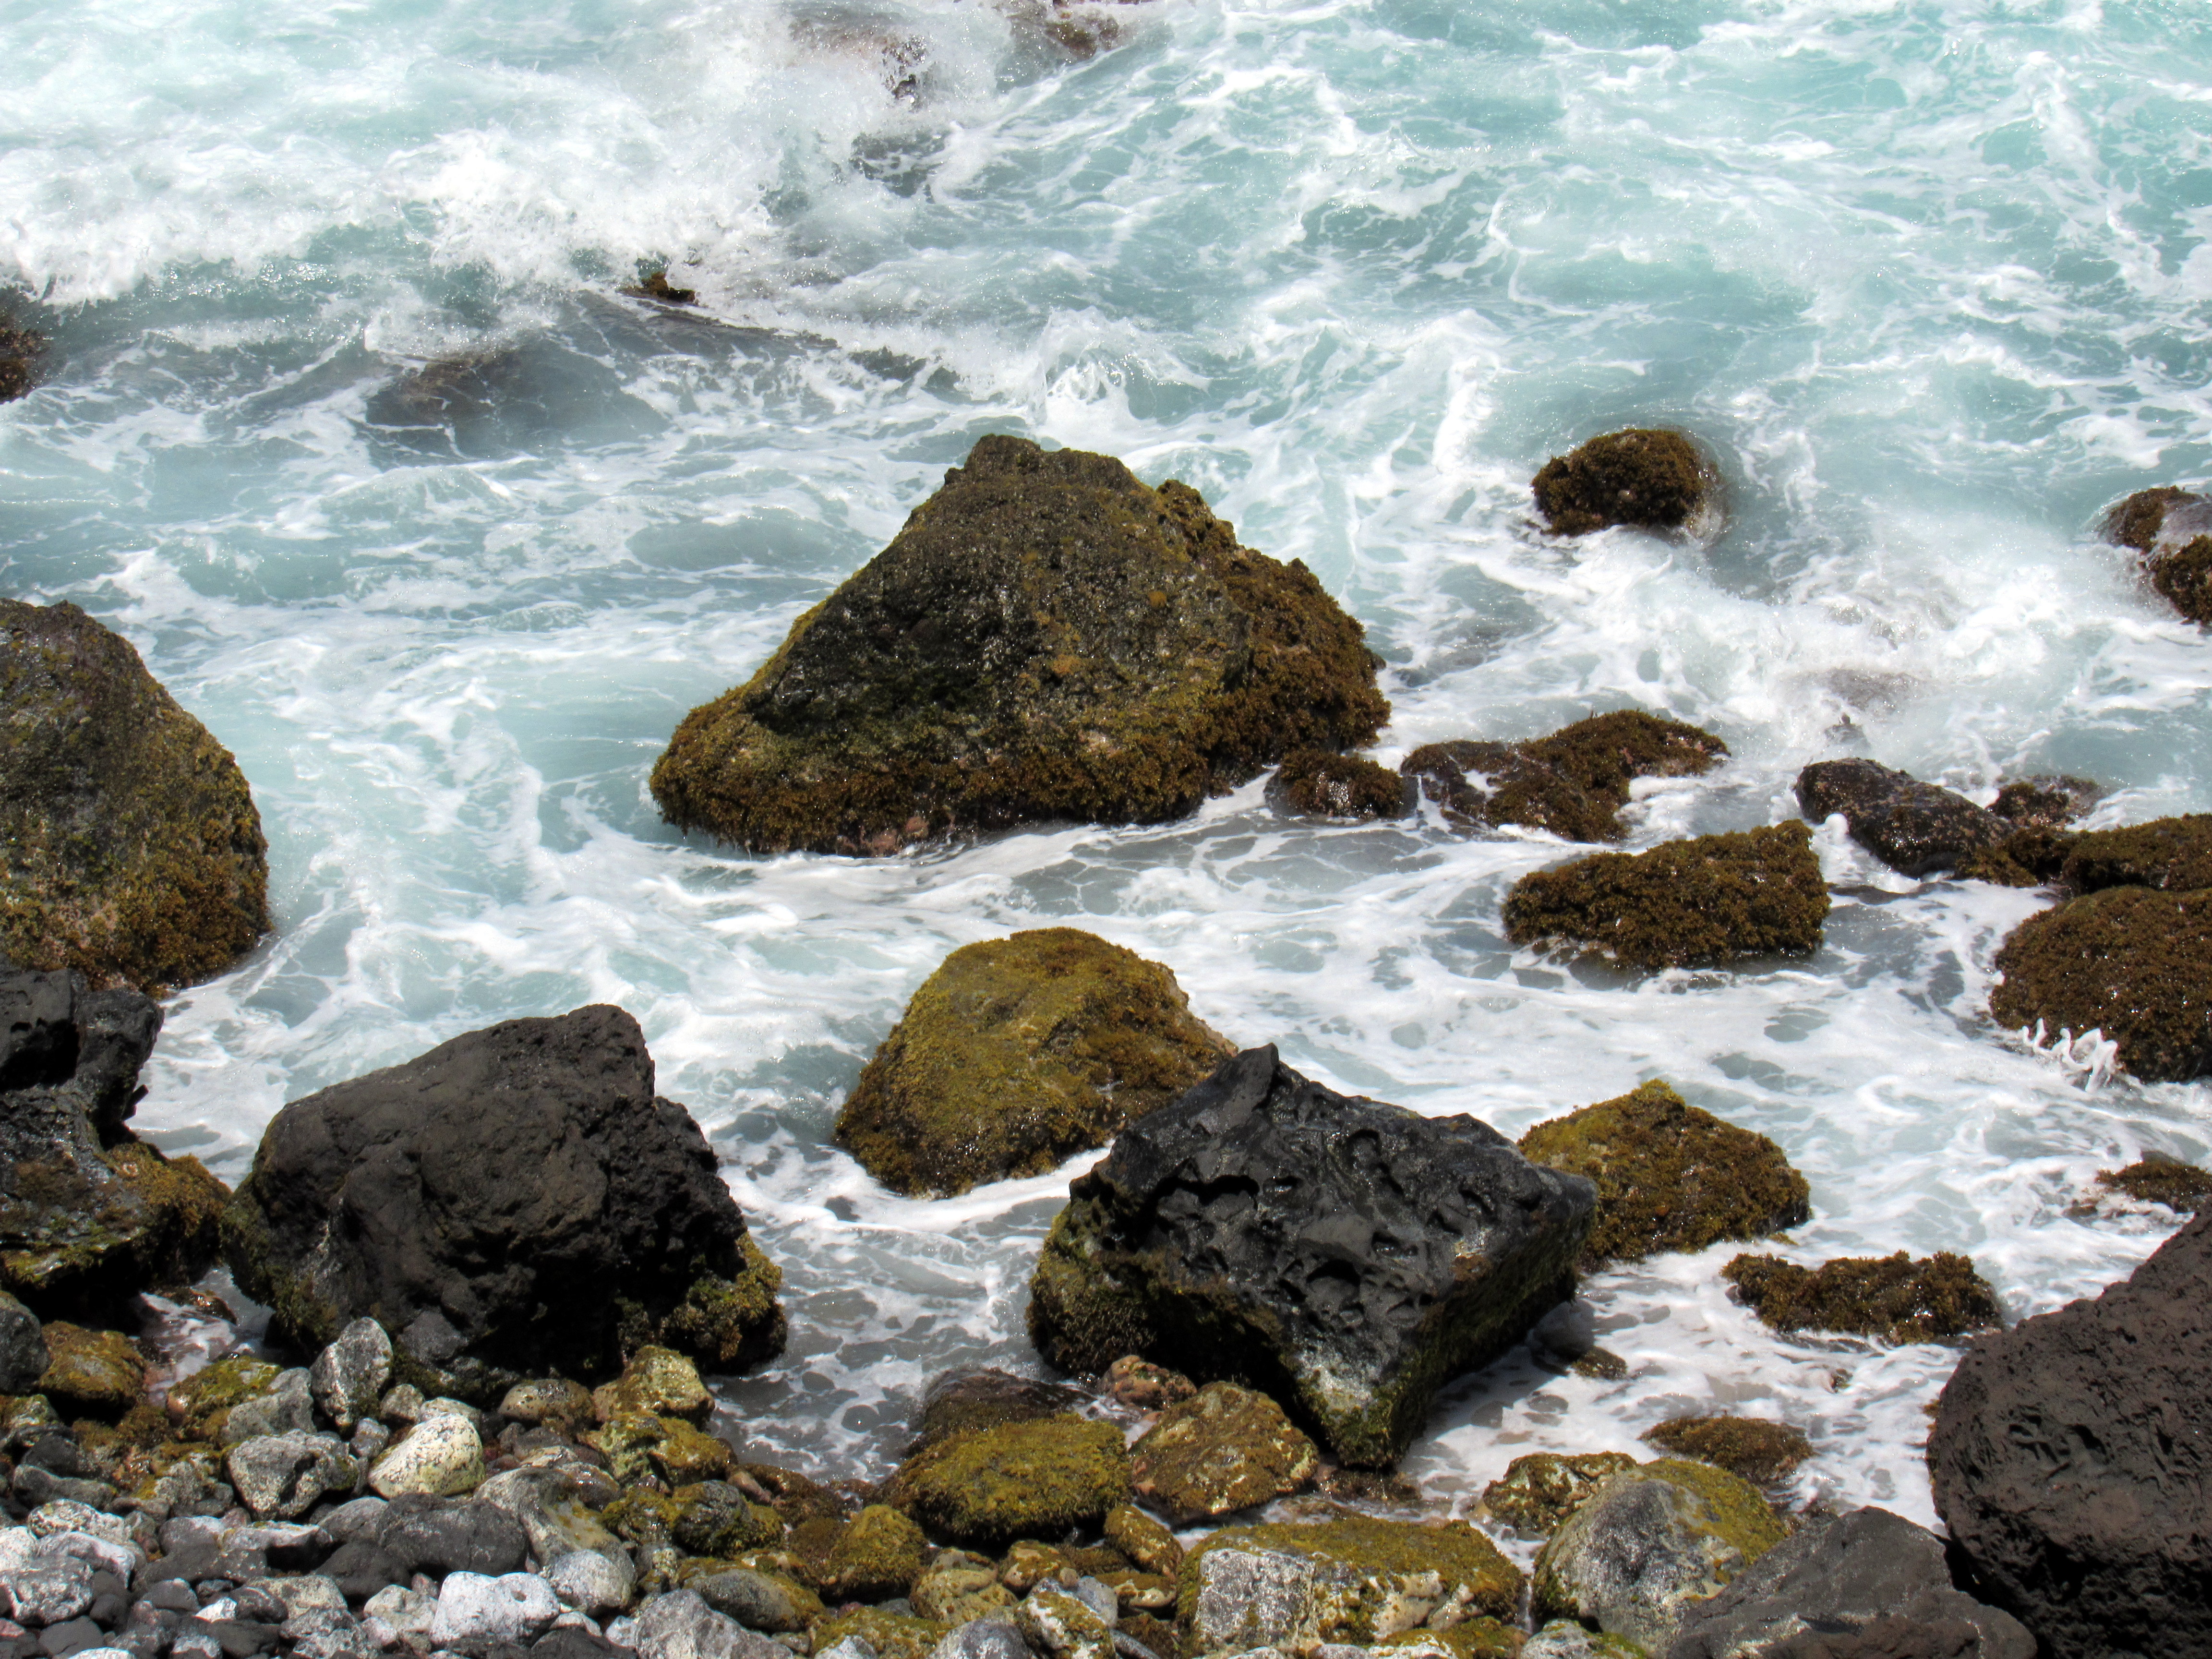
1764, 1453
97, 1374
1649, 476
1539, 1490
1699, 903
74, 1236
2156, 1179
1330, 786
1478, 1638
1046, 639
877, 1555
1669, 1177
1902, 1298
731, 1324
1033, 1480
891, 1635
1017, 1053
2171, 854
1224, 1449
1573, 783
202, 1403
2132, 961
2033, 857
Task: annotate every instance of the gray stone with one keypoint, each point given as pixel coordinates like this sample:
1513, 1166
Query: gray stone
1100, 1599
22, 1347
599, 1584
323, 1633
402, 1404
757, 1601
550, 1503
46, 1594
439, 1538
286, 1408
100, 1554
1562, 1638
515, 1607
983, 1638
287, 1474
681, 1625
40, 1487
407, 1614
547, 1400
1059, 1626
349, 1377
442, 1457
358, 1517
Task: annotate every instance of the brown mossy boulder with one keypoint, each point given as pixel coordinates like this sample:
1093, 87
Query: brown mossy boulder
2157, 1179
2034, 856
1539, 1490
1046, 639
1899, 1298
98, 1374
2167, 527
1920, 828
2171, 854
1764, 1453
1670, 1175
888, 1635
2139, 521
878, 1555
129, 847
1017, 1053
2047, 801
2133, 961
984, 1397
21, 348
1323, 785
1224, 1449
1652, 478
1700, 903
1573, 783
201, 1404
1035, 1479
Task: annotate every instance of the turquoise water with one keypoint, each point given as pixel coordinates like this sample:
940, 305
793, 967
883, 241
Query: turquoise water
1931, 280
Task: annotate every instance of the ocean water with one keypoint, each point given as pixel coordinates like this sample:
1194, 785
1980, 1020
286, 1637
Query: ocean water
1929, 276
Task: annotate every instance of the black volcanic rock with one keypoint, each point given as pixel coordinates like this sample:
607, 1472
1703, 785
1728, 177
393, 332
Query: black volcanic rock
1914, 827
2072, 1461
1342, 1256
515, 1202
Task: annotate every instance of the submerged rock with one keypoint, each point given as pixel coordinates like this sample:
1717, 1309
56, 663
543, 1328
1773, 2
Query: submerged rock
2167, 527
1539, 1490
19, 351
1323, 785
2157, 1179
654, 285
2132, 961
1669, 1177
1573, 783
1046, 639
1344, 1256
1226, 1449
1651, 477
1017, 1053
2084, 1438
1034, 1480
515, 1201
1913, 827
1699, 902
2046, 802
1764, 1453
133, 851
1936, 1298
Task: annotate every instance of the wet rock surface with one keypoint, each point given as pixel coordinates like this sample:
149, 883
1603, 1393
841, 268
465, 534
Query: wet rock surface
1539, 1490
1916, 828
1030, 1479
20, 350
2167, 527
957, 1403
1323, 785
1764, 1453
1651, 477
2158, 1179
1574, 783
1899, 1298
1224, 1449
2134, 963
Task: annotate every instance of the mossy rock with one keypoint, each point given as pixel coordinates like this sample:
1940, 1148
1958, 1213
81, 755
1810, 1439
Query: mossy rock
1026, 1479
2156, 1179
1046, 639
2132, 961
877, 1555
86, 1236
1477, 1638
984, 1397
1902, 1298
21, 348
729, 1324
2137, 521
1322, 785
96, 1374
2171, 854
657, 1381
1764, 1453
1669, 1177
708, 1518
2046, 802
202, 1403
1700, 903
1539, 1490
1573, 783
1224, 1449
892, 1635
1651, 477
958, 1587
134, 854
2033, 857
2161, 525
1017, 1053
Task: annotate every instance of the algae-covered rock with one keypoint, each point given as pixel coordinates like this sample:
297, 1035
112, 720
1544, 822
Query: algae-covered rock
1046, 638
1647, 1544
2139, 521
1151, 1546
21, 350
658, 1380
202, 1403
1914, 827
1224, 1449
957, 1587
1343, 1256
91, 1373
878, 1555
1669, 1177
1900, 1297
132, 850
2167, 527
1353, 1581
1699, 902
2132, 961
984, 1397
1651, 477
1016, 1053
2047, 801
886, 1635
1032, 1480
1573, 783
1323, 785
2032, 857
2171, 854
1764, 1453
1477, 1638
2157, 1179
1563, 1639
1539, 1490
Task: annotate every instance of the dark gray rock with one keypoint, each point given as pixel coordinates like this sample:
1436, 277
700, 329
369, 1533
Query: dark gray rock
1344, 1256
984, 1397
2072, 1461
567, 1642
495, 1203
1838, 1575
22, 1344
360, 1569
432, 1536
1914, 827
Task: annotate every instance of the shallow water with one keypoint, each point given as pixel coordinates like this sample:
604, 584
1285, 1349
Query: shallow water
1929, 279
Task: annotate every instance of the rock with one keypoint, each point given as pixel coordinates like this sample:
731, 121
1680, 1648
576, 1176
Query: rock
875, 1630
1023, 1479
201, 1404
46, 1593
1649, 1542
1323, 785
360, 1569
1700, 903
2171, 854
1913, 827
658, 1380
553, 1401
1539, 1490
441, 1457
89, 1217
514, 1201
1899, 1297
2046, 802
19, 351
1669, 1176
709, 1518
1017, 1053
1267, 1230
1765, 1453
681, 1625
2166, 527
600, 1583
1059, 1626
349, 1376
635, 1444
516, 1606
286, 1407
984, 1397
654, 285
287, 1474
1143, 1540
427, 1536
1573, 783
1137, 1382
760, 1600
2131, 961
1562, 1638
2081, 1436
985, 1638
135, 854
92, 1373
1226, 1449
2156, 1178
550, 1503
1046, 639
1837, 1575
957, 1587
24, 1356
1651, 477
1353, 1581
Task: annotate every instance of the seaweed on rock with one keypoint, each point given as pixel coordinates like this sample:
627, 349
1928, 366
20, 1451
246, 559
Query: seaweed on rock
2133, 961
1573, 783
1936, 1298
1651, 477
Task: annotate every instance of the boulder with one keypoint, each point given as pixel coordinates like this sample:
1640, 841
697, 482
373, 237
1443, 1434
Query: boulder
24, 1355
516, 1608
2156, 1178
1046, 639
1033, 1480
1647, 1544
285, 1475
1700, 903
877, 1555
349, 1377
1316, 783
91, 1373
2046, 801
2171, 854
1344, 1256
1226, 1448
1899, 1297
1764, 1453
595, 1583
1573, 783
90, 1216
1137, 1382
201, 1404
657, 1381
554, 1401
1913, 827
515, 1201
860, 1633
440, 1456
2071, 1461
1017, 1053
1539, 1490
552, 1506
984, 1397
20, 350
1669, 1177
758, 1600
1059, 1624
2132, 961
2167, 527
1651, 477
427, 1535
1147, 1544
288, 1407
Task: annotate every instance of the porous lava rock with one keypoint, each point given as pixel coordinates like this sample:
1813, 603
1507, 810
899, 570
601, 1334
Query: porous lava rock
514, 1202
1343, 1256
1573, 783
1539, 1490
1017, 1053
1700, 903
1322, 785
1913, 827
1047, 638
2167, 527
130, 847
1033, 1480
2156, 1178
1670, 1175
2071, 1461
1900, 1297
1224, 1449
1764, 1453
2133, 961
1652, 478
89, 1215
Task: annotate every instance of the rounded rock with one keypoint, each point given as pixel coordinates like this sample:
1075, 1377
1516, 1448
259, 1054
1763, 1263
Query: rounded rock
442, 1455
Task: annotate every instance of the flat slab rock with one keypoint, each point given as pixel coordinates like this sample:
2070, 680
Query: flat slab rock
1342, 1256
